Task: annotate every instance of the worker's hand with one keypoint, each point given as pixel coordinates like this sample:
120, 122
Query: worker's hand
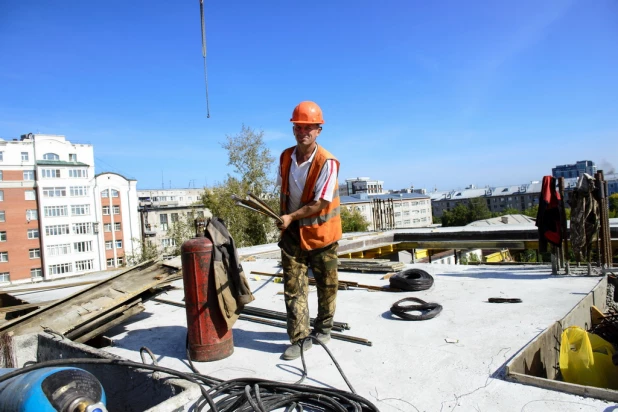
287, 219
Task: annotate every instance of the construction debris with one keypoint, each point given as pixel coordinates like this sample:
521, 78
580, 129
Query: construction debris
94, 310
370, 265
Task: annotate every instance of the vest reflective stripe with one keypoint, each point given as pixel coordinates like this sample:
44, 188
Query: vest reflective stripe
321, 229
318, 220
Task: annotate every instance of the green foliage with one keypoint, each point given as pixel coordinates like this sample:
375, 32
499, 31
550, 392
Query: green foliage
613, 205
473, 258
145, 250
461, 215
252, 163
528, 255
509, 211
353, 221
437, 220
181, 231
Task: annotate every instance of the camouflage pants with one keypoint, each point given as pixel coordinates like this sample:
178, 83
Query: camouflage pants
323, 263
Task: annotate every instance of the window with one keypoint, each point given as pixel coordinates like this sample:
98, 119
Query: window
51, 156
107, 227
114, 193
109, 245
57, 230
200, 214
81, 265
33, 233
120, 260
5, 276
81, 247
1, 195
82, 228
32, 214
406, 222
72, 157
168, 242
55, 211
50, 173
117, 227
59, 250
24, 156
2, 216
28, 174
397, 214
54, 191
116, 210
80, 210
105, 193
1, 177
1, 156
110, 262
60, 268
35, 253
163, 221
78, 173
2, 236
30, 195
174, 217
36, 273
105, 210
119, 244
4, 256
79, 191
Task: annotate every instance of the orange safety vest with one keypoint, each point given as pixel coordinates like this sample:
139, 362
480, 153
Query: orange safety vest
323, 228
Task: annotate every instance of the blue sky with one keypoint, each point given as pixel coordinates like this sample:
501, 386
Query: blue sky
431, 94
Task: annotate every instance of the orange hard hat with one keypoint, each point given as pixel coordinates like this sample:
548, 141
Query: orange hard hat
307, 113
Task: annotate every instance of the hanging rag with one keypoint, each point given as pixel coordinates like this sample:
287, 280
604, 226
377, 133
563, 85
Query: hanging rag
548, 217
233, 290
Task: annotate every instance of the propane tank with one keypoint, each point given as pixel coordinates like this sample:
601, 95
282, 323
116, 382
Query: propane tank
63, 389
208, 334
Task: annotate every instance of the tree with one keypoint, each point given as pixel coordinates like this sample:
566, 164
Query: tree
252, 163
509, 211
353, 221
144, 251
532, 211
180, 231
613, 205
462, 214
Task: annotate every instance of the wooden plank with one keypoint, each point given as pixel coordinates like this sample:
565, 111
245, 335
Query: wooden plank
88, 304
8, 357
107, 326
586, 391
17, 308
81, 329
48, 287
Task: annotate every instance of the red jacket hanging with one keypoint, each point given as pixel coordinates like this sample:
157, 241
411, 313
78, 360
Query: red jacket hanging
548, 217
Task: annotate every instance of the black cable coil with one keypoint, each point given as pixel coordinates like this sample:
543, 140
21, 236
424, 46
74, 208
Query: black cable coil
430, 310
412, 280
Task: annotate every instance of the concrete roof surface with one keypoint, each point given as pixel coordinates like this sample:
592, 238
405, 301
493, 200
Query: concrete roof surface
410, 366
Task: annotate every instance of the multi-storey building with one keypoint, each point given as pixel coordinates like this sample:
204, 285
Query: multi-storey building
161, 209
574, 170
48, 209
409, 210
117, 210
363, 185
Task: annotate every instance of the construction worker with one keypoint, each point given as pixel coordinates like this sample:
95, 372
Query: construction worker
311, 229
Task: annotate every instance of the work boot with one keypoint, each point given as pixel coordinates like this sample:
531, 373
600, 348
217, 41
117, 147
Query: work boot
322, 337
293, 351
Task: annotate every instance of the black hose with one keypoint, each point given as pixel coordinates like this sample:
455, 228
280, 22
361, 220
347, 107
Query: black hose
412, 280
430, 310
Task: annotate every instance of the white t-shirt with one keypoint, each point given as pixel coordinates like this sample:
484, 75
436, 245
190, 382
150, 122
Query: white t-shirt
324, 187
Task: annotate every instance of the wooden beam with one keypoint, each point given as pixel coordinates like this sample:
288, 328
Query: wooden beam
17, 308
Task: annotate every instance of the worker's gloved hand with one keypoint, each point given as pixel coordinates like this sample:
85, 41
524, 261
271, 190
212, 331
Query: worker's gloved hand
287, 219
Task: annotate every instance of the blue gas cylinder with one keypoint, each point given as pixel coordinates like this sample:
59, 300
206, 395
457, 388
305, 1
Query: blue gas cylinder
62, 389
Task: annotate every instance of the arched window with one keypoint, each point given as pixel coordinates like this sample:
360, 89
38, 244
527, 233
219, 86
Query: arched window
51, 156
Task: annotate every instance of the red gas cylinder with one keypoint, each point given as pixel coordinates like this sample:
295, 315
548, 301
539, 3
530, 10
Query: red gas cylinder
209, 337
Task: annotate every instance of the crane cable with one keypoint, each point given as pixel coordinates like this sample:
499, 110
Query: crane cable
204, 55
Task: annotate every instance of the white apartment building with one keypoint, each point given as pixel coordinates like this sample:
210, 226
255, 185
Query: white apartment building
117, 211
169, 197
50, 211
